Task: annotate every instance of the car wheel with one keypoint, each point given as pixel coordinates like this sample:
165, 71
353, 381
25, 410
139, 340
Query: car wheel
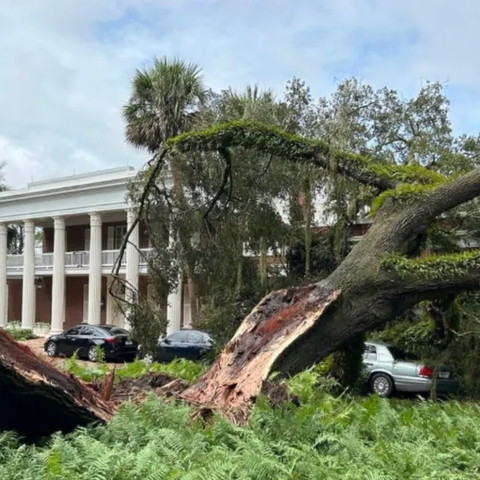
382, 384
92, 353
147, 359
51, 349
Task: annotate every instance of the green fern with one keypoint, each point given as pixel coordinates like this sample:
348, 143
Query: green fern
327, 437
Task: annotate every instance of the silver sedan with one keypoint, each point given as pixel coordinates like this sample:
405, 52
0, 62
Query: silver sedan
391, 369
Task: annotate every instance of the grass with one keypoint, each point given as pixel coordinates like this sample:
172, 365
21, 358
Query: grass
327, 437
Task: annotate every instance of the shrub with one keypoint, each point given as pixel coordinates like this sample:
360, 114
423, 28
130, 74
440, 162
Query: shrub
18, 333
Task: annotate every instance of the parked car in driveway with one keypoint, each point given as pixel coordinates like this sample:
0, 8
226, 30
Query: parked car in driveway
188, 344
84, 339
392, 369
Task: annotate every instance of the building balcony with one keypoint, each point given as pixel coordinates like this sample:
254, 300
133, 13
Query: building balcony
75, 262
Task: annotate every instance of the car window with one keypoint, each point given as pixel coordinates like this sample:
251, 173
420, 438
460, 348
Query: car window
110, 330
74, 331
87, 331
119, 331
401, 355
178, 337
370, 352
207, 338
196, 337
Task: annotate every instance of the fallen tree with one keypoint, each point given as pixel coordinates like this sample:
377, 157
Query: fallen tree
37, 399
382, 277
289, 330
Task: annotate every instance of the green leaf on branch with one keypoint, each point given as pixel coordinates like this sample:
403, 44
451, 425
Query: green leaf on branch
270, 139
433, 267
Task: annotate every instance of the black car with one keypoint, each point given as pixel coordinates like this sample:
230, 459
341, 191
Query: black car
83, 339
188, 344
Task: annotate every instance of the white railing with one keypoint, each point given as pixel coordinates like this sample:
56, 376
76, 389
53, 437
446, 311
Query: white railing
110, 257
44, 261
76, 259
14, 261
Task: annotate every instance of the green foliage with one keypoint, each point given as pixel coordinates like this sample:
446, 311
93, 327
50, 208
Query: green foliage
347, 366
181, 368
402, 194
89, 373
272, 140
326, 438
322, 258
178, 368
147, 322
18, 333
433, 267
163, 99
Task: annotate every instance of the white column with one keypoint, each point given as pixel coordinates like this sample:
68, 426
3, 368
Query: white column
29, 292
133, 260
3, 275
95, 270
174, 301
58, 282
174, 310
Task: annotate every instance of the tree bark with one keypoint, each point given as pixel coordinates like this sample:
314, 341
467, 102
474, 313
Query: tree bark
37, 399
237, 376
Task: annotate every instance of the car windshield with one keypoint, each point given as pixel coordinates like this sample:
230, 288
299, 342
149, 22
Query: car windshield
115, 330
399, 354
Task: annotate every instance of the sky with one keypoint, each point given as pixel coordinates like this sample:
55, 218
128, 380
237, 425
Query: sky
66, 65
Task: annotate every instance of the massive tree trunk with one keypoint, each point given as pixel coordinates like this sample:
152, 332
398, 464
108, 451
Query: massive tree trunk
281, 319
292, 329
37, 399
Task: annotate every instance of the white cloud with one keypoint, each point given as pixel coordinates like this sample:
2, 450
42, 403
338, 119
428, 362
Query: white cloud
66, 65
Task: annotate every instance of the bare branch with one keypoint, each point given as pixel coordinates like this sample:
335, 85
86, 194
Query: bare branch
226, 177
155, 164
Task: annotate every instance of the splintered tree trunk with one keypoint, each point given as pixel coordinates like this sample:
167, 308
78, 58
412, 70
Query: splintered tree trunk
236, 378
36, 399
293, 329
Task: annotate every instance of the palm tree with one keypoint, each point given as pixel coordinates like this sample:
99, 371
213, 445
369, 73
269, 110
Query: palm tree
164, 102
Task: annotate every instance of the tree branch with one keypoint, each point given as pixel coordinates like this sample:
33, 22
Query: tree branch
452, 194
271, 140
226, 177
155, 164
436, 274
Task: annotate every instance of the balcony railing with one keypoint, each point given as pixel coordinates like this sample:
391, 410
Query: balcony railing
44, 261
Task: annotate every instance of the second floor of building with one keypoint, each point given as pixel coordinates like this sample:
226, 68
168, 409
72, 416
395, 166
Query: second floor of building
71, 202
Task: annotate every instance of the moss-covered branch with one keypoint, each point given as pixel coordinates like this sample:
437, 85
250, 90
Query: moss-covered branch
403, 194
269, 139
434, 267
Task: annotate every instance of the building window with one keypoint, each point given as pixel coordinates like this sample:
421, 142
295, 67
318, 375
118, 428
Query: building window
120, 233
87, 239
85, 303
115, 236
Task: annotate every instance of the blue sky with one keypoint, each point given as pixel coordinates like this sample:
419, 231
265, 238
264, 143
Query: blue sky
66, 65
